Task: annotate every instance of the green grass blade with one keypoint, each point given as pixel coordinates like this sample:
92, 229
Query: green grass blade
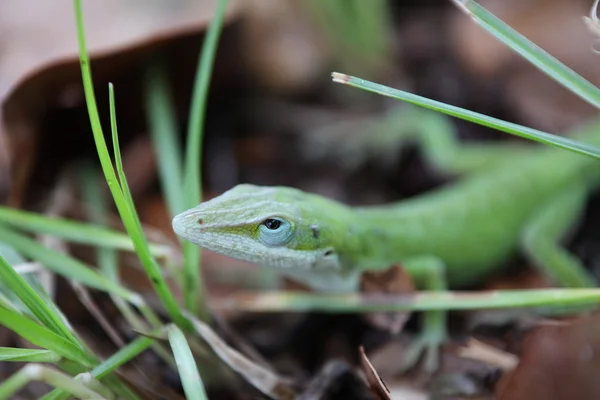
529, 50
481, 119
111, 364
150, 266
64, 265
160, 112
131, 211
188, 370
12, 354
193, 289
73, 231
34, 372
107, 262
44, 338
198, 106
96, 208
421, 301
34, 302
123, 356
8, 298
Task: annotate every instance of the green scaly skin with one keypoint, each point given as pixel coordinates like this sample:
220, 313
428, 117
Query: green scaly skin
453, 236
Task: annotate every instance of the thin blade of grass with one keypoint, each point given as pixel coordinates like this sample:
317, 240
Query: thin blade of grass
34, 302
131, 224
97, 210
421, 301
111, 364
73, 231
122, 357
481, 119
160, 112
146, 311
13, 354
35, 372
186, 365
119, 164
9, 305
64, 265
193, 287
529, 50
45, 338
29, 273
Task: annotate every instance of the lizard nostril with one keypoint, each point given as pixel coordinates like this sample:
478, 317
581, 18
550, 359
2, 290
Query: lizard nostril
200, 222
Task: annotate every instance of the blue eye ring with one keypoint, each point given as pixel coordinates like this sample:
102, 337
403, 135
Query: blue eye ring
275, 231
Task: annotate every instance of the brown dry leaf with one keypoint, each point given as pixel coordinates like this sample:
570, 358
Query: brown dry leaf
554, 25
377, 384
394, 280
559, 362
39, 69
283, 49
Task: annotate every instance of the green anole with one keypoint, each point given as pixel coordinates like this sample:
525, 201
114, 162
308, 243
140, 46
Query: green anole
510, 197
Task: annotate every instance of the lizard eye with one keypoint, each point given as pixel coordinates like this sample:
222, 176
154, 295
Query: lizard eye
275, 231
272, 223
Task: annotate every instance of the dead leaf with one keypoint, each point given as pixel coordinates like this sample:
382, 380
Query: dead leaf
394, 280
377, 384
559, 361
284, 51
43, 112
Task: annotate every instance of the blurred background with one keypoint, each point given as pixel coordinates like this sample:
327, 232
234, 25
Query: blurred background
272, 90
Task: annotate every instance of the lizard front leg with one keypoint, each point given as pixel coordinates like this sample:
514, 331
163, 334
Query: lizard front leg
428, 272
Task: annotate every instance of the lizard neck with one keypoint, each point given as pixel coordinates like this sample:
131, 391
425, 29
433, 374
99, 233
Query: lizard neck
381, 236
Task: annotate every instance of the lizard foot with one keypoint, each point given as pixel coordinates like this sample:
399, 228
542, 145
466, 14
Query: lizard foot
427, 345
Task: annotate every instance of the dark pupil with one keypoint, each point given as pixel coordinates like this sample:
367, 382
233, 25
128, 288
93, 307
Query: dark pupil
272, 224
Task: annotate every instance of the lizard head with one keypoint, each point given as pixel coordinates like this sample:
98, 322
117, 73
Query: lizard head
279, 227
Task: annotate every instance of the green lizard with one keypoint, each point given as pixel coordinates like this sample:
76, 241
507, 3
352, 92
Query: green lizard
510, 196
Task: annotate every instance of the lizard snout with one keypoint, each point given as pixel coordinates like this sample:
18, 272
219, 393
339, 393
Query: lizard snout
187, 223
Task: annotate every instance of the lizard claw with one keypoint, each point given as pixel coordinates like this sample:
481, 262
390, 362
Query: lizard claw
427, 345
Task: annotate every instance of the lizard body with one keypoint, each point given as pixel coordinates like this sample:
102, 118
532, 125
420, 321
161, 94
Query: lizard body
456, 234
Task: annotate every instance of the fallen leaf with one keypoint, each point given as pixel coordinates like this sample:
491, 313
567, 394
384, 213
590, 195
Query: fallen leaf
43, 112
394, 280
377, 384
559, 362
